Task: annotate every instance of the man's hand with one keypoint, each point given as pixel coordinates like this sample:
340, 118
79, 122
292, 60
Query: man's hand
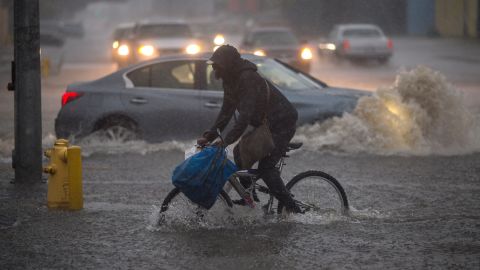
219, 143
202, 141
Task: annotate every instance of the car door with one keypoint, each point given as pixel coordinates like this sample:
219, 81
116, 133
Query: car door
165, 100
211, 96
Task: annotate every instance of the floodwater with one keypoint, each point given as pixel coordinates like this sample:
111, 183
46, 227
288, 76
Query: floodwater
410, 168
408, 158
407, 213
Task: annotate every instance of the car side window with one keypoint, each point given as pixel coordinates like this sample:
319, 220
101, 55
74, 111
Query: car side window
140, 77
212, 82
175, 74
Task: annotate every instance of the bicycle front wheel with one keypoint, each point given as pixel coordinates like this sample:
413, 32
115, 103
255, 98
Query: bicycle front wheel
318, 192
178, 204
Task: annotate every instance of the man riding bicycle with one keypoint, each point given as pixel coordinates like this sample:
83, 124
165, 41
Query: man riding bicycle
245, 91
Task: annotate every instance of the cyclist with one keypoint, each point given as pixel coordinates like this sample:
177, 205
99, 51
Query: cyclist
245, 91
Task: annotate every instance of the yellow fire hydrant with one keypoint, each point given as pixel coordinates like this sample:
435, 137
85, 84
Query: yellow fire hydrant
65, 176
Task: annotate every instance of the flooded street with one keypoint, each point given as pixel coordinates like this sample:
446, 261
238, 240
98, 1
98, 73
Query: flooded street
408, 213
409, 210
408, 158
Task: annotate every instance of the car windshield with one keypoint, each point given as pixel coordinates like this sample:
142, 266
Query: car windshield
164, 30
273, 38
366, 32
121, 33
283, 77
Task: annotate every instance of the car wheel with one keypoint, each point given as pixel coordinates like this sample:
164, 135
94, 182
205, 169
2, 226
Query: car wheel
118, 129
119, 133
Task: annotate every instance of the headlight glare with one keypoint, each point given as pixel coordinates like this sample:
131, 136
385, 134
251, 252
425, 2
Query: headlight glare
219, 39
307, 54
192, 49
259, 52
123, 50
115, 44
146, 50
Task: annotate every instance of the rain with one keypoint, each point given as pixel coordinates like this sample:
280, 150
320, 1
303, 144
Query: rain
387, 95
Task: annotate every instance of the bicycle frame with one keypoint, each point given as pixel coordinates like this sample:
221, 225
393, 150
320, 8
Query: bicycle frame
247, 193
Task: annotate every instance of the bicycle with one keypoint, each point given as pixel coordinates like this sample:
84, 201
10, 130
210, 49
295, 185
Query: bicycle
322, 195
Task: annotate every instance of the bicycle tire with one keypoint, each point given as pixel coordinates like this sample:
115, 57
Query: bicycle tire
296, 180
176, 192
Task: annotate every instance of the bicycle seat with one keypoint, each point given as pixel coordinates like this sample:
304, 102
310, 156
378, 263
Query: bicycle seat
293, 146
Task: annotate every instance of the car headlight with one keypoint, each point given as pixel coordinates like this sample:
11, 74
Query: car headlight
331, 46
115, 44
307, 54
146, 50
327, 46
259, 52
219, 39
192, 49
123, 50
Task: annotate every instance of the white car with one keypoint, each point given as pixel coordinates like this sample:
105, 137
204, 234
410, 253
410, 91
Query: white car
357, 42
152, 39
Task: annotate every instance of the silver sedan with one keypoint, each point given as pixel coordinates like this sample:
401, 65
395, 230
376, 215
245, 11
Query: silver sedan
177, 97
357, 42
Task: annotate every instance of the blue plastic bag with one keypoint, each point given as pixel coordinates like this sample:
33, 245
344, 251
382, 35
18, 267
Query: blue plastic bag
202, 176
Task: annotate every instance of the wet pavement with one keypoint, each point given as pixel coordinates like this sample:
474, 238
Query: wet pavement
410, 210
408, 213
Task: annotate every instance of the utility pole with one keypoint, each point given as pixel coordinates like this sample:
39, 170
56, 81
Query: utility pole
26, 84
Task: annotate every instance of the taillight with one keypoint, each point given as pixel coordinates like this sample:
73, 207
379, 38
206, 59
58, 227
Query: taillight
390, 44
70, 96
346, 45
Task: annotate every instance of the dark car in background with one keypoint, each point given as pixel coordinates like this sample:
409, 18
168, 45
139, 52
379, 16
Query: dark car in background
280, 43
177, 97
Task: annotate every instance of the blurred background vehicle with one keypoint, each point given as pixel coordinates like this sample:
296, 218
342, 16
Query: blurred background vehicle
51, 52
63, 28
177, 97
120, 38
152, 39
357, 42
278, 42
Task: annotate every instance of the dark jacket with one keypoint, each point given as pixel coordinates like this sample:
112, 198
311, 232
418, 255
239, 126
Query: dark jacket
245, 91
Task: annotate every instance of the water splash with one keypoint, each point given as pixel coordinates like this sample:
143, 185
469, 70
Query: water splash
420, 114
98, 144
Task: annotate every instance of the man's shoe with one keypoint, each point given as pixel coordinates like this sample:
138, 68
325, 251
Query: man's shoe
239, 202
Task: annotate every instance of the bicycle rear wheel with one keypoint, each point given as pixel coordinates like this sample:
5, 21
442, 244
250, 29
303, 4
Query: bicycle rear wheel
177, 203
317, 191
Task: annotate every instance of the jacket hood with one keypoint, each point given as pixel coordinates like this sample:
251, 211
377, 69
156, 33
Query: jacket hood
230, 60
243, 65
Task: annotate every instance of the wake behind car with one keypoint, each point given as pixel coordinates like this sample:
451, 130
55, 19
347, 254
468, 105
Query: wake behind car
148, 40
280, 43
176, 97
357, 42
